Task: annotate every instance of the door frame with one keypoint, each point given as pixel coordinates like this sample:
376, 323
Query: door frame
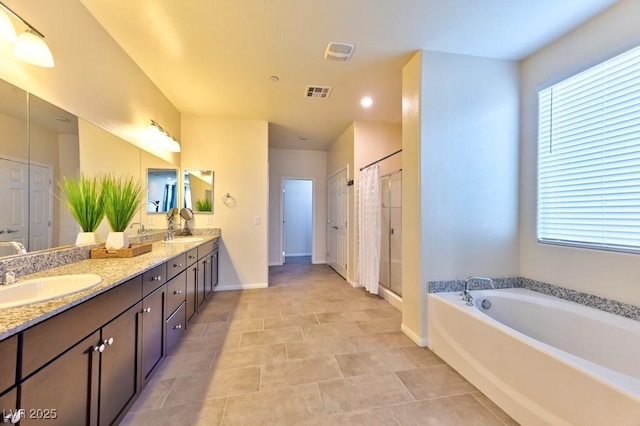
344, 169
313, 214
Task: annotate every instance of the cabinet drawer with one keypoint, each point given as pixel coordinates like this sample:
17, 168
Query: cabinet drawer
8, 357
192, 256
176, 265
43, 342
153, 279
176, 292
175, 328
205, 249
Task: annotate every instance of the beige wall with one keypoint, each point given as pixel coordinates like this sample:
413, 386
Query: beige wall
93, 77
293, 163
237, 152
607, 274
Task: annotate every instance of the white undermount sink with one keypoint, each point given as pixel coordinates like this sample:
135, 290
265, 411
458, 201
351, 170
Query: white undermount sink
40, 289
183, 240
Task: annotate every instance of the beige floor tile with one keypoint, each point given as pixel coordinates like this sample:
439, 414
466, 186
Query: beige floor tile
381, 341
184, 365
270, 337
349, 316
333, 330
363, 392
234, 326
299, 371
290, 321
388, 311
216, 383
250, 356
193, 331
210, 343
375, 417
300, 308
361, 363
436, 381
254, 313
207, 317
277, 407
319, 347
495, 410
203, 413
450, 411
422, 357
380, 325
346, 306
153, 395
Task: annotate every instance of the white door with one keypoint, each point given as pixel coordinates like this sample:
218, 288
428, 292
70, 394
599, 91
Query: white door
13, 220
337, 222
40, 216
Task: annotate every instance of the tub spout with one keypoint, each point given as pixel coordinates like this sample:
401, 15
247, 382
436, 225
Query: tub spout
466, 293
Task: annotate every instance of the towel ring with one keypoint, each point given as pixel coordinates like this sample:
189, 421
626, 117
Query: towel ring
228, 200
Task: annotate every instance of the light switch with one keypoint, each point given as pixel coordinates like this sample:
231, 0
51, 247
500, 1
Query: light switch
209, 221
256, 220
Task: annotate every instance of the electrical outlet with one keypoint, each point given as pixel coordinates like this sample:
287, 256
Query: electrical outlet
209, 221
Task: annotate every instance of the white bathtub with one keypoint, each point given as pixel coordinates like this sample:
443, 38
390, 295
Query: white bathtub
541, 359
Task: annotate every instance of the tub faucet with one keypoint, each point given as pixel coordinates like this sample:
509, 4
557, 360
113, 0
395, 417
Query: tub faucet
17, 246
466, 293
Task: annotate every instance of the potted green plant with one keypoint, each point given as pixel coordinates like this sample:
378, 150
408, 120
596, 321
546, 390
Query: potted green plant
84, 198
203, 205
122, 197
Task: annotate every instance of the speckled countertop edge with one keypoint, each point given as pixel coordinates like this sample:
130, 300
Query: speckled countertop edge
112, 271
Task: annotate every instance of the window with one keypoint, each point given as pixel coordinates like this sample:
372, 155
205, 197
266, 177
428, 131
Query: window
589, 157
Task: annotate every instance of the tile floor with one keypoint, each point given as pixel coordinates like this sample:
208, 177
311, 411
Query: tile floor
309, 350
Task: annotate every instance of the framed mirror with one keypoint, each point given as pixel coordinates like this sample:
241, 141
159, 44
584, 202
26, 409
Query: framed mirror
198, 190
162, 190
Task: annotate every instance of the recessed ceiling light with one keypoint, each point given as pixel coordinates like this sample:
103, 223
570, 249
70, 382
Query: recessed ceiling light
366, 102
274, 78
303, 138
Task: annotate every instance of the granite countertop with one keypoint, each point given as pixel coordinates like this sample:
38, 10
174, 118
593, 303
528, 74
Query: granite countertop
112, 271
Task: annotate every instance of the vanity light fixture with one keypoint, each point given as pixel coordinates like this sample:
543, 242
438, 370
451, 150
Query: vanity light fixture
29, 46
159, 136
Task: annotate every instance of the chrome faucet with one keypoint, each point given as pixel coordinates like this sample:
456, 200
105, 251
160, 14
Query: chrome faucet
17, 246
171, 216
9, 276
466, 293
141, 230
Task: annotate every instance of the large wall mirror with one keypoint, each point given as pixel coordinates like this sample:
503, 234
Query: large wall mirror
40, 144
198, 190
162, 190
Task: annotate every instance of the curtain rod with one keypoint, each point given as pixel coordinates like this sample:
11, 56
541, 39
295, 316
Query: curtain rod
382, 159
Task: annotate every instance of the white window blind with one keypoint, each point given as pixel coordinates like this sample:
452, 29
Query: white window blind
589, 157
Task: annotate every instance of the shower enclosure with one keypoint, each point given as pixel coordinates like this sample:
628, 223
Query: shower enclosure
391, 236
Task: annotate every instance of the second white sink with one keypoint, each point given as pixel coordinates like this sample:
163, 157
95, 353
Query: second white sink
40, 289
183, 240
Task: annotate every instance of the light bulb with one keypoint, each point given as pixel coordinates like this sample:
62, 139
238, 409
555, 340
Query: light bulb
32, 49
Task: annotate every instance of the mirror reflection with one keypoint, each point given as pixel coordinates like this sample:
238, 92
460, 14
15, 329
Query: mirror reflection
162, 190
198, 190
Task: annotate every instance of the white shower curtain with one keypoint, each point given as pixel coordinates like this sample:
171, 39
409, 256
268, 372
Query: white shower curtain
369, 199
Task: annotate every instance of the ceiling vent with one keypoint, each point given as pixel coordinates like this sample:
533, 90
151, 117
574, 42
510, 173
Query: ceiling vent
337, 51
320, 92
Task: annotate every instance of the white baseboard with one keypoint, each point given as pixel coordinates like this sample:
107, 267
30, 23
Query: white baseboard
318, 262
275, 264
297, 254
393, 299
354, 284
249, 286
420, 341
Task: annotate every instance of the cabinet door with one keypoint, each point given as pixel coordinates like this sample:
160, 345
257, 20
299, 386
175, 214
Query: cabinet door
203, 266
68, 385
214, 269
208, 275
192, 287
118, 361
8, 406
8, 362
153, 317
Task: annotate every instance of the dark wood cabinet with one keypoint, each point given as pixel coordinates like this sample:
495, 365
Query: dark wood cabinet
192, 289
118, 365
204, 273
152, 336
214, 268
176, 292
8, 363
175, 327
68, 385
8, 405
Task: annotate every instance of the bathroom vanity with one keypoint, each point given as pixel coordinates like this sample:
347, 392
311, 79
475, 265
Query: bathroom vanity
84, 358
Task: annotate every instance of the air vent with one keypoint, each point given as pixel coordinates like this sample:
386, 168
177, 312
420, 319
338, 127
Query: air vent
320, 92
337, 51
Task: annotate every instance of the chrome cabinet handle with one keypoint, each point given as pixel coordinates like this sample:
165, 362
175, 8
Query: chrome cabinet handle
109, 341
157, 278
146, 310
192, 256
177, 292
177, 265
177, 327
99, 348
